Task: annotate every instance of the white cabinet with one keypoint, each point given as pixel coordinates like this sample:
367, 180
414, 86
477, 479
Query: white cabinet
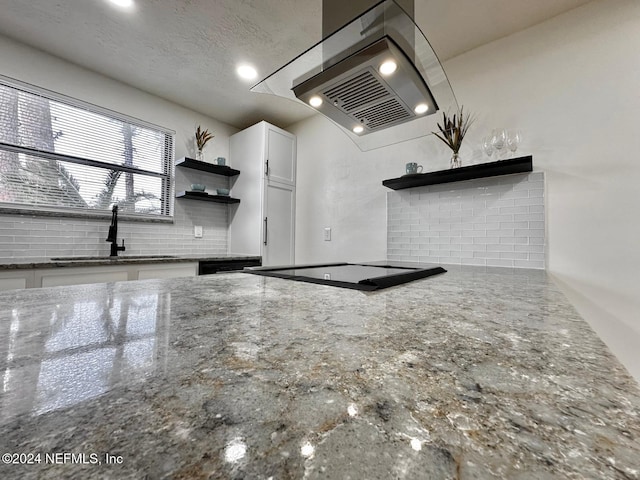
58, 277
280, 154
264, 222
146, 272
61, 276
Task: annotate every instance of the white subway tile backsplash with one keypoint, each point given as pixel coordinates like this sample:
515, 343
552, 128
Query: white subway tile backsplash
499, 218
486, 240
494, 262
474, 233
531, 232
37, 237
495, 221
515, 240
474, 261
519, 209
529, 248
529, 263
511, 225
528, 201
530, 217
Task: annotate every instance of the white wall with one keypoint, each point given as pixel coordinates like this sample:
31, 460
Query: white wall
571, 84
22, 236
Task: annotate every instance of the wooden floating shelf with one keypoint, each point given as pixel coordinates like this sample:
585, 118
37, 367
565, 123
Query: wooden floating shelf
207, 167
207, 198
482, 170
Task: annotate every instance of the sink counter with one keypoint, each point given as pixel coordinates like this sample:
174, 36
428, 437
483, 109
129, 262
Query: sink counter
476, 373
91, 261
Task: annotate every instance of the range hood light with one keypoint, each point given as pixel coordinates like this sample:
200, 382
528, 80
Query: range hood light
315, 101
388, 67
421, 108
358, 129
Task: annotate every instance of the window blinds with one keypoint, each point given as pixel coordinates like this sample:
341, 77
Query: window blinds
62, 153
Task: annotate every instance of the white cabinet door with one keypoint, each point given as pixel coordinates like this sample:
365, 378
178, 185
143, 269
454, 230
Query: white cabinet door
146, 272
12, 283
58, 277
279, 232
281, 156
16, 279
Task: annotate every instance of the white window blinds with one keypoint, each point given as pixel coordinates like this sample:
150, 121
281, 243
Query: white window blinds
61, 153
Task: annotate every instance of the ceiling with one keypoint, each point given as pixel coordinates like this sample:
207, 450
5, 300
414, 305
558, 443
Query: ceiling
186, 51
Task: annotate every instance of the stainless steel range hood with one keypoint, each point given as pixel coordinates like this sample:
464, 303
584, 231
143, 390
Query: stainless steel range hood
377, 78
355, 94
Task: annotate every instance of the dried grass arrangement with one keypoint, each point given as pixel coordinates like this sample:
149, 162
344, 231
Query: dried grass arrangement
202, 137
453, 129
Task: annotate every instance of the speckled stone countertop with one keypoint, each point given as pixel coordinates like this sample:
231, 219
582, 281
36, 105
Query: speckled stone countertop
476, 373
28, 263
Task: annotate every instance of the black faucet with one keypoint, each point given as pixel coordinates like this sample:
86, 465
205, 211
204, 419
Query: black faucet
113, 233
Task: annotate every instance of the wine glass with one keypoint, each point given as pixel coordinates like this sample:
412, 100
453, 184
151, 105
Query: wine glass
487, 146
498, 139
514, 137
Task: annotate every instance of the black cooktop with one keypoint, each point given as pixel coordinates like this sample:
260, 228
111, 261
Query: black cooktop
350, 275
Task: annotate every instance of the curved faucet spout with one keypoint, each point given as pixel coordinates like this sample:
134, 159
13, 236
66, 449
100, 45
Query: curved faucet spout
113, 233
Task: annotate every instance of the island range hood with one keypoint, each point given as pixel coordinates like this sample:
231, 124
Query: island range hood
377, 78
359, 94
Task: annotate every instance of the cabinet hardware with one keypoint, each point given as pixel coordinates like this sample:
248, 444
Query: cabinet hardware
265, 230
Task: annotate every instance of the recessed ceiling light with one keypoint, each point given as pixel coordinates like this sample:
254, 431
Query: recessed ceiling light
358, 129
315, 101
247, 72
421, 108
388, 67
123, 3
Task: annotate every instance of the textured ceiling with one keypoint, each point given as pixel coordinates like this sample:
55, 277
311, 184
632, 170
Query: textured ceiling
186, 50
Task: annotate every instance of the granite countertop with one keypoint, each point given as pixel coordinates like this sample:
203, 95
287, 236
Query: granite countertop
90, 261
477, 373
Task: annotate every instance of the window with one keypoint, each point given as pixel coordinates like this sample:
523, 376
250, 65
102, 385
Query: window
64, 154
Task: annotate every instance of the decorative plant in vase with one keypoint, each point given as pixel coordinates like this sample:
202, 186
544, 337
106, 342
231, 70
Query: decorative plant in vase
453, 130
202, 137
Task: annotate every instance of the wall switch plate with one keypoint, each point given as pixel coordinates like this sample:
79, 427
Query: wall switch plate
327, 234
197, 231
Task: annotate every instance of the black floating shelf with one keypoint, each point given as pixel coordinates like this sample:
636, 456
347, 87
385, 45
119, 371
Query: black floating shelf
493, 169
207, 198
207, 167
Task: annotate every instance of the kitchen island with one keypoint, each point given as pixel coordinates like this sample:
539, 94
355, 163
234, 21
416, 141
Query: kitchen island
476, 373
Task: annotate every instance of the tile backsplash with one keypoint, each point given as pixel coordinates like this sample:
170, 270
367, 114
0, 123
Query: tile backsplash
27, 236
497, 221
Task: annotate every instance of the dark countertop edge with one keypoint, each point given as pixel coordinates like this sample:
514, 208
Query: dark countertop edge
43, 263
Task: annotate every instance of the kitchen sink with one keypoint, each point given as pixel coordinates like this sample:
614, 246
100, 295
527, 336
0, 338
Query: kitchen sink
107, 257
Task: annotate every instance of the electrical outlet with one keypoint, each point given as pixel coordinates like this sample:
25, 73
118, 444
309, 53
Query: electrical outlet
327, 234
197, 231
